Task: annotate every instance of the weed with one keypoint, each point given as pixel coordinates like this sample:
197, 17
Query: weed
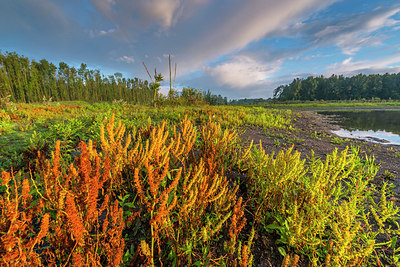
388, 175
295, 140
336, 140
277, 143
315, 135
312, 211
116, 183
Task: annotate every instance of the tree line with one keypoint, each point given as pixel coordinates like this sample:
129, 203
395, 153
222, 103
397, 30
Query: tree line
386, 86
191, 95
31, 81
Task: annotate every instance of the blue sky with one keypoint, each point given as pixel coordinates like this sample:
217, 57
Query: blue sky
232, 47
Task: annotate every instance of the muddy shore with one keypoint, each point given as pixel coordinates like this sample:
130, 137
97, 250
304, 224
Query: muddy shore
313, 133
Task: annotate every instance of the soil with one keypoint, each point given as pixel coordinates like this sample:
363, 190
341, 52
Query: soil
313, 133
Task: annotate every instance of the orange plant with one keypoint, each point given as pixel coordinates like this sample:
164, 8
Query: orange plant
19, 240
88, 225
114, 147
177, 182
182, 186
80, 223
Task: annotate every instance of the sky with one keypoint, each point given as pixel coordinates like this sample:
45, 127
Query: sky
236, 48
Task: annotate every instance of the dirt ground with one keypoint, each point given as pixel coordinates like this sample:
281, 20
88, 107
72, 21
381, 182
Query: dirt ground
313, 133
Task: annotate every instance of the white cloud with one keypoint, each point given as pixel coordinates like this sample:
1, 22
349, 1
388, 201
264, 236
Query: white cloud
349, 67
242, 72
351, 33
242, 23
347, 61
234, 38
105, 32
382, 19
94, 33
126, 59
199, 31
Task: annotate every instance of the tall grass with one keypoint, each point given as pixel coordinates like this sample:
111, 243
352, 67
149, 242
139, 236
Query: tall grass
163, 189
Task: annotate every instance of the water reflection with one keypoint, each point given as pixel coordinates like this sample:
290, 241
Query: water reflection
375, 126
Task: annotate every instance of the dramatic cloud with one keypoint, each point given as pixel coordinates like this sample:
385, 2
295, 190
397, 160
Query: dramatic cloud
350, 33
199, 31
233, 47
243, 22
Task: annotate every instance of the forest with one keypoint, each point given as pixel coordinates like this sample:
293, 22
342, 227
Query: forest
386, 86
28, 81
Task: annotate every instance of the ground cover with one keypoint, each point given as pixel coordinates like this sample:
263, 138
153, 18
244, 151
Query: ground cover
31, 127
109, 184
335, 105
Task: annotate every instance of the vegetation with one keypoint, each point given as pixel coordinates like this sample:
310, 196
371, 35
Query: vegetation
123, 184
31, 81
341, 88
22, 80
336, 104
318, 210
118, 183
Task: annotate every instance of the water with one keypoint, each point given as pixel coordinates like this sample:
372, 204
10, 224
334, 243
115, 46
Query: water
374, 126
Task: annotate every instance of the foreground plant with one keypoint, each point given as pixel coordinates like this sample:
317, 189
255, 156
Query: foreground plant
163, 194
321, 209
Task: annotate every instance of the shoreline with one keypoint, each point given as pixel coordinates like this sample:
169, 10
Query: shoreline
313, 132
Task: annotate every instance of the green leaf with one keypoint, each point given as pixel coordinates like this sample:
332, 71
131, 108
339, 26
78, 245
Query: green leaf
127, 253
273, 226
282, 251
130, 205
198, 263
396, 258
128, 213
172, 254
394, 241
205, 251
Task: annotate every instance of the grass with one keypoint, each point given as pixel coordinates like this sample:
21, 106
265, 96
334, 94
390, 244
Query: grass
119, 184
332, 105
72, 122
337, 140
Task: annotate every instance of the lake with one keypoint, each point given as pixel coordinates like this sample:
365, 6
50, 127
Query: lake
376, 126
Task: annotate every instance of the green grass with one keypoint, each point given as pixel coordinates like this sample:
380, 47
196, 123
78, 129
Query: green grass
337, 140
336, 104
324, 210
36, 125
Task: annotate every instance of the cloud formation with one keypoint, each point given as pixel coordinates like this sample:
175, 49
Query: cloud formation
244, 22
350, 32
241, 72
137, 14
127, 59
234, 47
350, 67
